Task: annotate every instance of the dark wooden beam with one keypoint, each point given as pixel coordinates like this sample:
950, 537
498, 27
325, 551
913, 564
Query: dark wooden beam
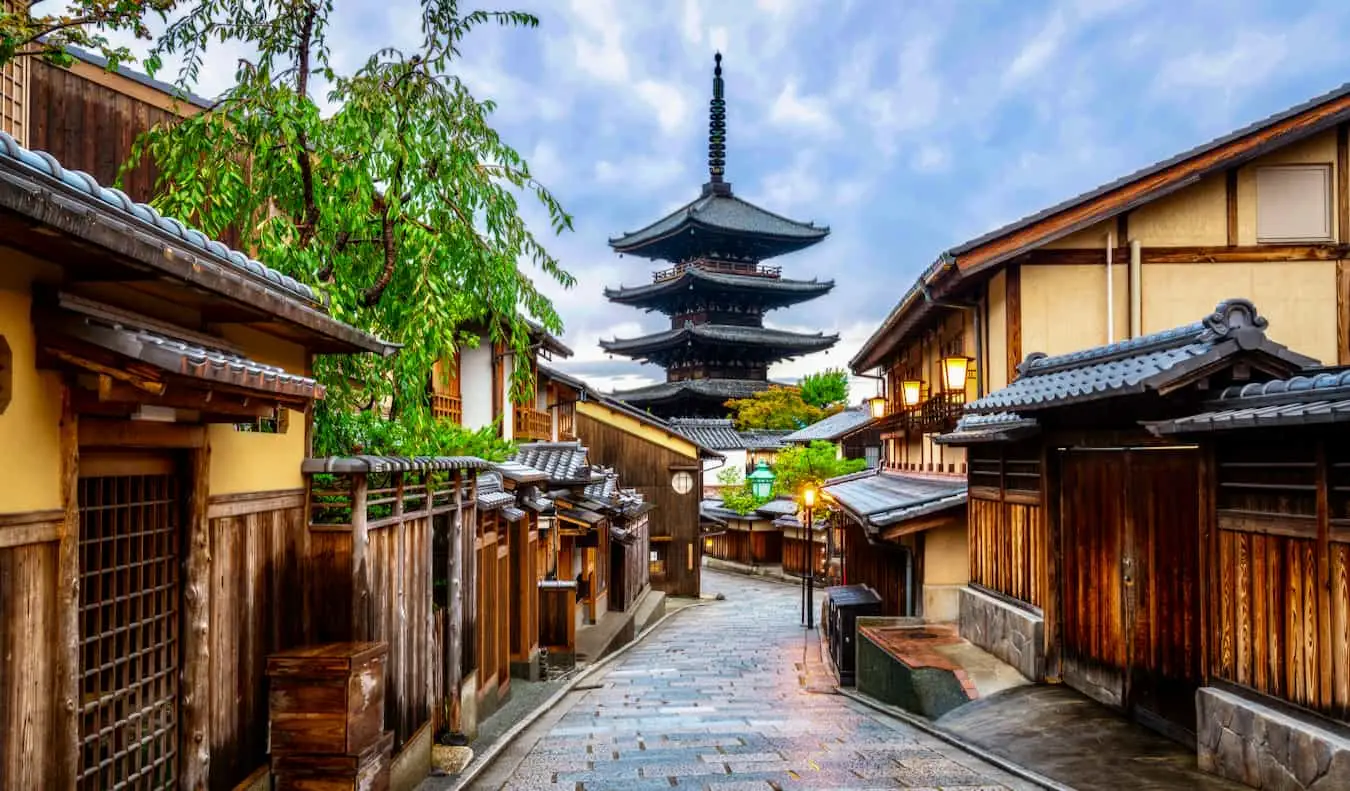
1248, 254
195, 735
1231, 181
116, 393
139, 434
1013, 314
1343, 312
67, 704
1343, 183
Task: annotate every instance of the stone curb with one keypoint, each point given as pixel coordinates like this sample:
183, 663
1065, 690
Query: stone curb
929, 728
478, 764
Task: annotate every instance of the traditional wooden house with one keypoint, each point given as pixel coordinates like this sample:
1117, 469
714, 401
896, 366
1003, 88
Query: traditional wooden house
158, 385
751, 540
1099, 579
740, 449
852, 430
1261, 212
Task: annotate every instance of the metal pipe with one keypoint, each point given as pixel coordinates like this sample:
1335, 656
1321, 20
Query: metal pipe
1136, 290
1110, 291
909, 581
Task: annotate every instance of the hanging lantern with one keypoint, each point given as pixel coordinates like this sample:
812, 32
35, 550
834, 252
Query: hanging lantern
910, 391
877, 404
954, 370
761, 481
809, 497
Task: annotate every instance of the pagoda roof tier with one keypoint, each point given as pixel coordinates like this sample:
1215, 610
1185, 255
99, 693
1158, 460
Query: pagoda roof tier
691, 397
717, 224
673, 293
770, 343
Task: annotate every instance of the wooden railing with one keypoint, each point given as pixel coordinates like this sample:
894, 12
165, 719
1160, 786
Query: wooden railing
450, 407
533, 424
937, 414
728, 267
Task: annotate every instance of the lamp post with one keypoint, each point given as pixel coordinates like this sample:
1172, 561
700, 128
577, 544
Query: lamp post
761, 481
808, 577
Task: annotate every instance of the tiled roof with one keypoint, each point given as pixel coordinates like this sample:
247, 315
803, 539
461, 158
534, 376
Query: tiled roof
723, 389
715, 433
724, 334
635, 412
490, 493
47, 165
513, 514
723, 211
185, 359
778, 291
991, 427
550, 372
833, 427
546, 339
1136, 365
520, 473
764, 438
777, 507
606, 488
368, 464
880, 499
1313, 398
714, 511
563, 462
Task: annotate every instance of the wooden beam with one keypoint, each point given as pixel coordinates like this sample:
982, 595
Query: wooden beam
1231, 189
195, 735
1052, 604
1342, 312
1207, 528
1246, 254
139, 434
67, 716
1148, 187
1013, 312
1343, 183
1323, 582
38, 532
221, 506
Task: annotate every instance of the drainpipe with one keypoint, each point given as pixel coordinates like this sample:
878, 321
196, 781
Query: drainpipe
909, 581
1110, 292
1136, 290
978, 327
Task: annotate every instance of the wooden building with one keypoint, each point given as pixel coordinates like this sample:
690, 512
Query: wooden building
751, 539
1085, 528
1261, 213
716, 289
740, 449
853, 431
157, 384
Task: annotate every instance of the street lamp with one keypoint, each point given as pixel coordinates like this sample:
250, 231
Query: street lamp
878, 406
761, 481
808, 575
954, 369
910, 392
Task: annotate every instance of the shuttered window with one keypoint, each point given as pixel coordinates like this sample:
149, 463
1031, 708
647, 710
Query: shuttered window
1293, 203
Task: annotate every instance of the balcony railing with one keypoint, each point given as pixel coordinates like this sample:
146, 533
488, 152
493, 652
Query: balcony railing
728, 267
447, 406
533, 424
937, 414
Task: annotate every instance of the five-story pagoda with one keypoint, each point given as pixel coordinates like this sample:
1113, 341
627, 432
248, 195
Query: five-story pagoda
715, 292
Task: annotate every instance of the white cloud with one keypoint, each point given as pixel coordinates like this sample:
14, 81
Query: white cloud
798, 112
667, 102
1249, 59
931, 158
1037, 53
641, 173
691, 22
797, 186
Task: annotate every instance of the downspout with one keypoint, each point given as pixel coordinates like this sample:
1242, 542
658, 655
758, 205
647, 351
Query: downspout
909, 582
1110, 292
1136, 290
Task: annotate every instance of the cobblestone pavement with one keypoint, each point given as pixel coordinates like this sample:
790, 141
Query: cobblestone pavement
729, 697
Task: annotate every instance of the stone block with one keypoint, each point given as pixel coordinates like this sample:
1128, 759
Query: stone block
1013, 634
1267, 748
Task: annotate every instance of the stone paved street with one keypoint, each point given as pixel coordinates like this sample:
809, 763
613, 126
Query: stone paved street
728, 697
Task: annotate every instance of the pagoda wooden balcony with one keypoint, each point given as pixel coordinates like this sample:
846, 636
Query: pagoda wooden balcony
726, 267
448, 407
531, 424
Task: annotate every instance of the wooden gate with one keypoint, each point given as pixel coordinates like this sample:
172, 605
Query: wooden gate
130, 516
1131, 575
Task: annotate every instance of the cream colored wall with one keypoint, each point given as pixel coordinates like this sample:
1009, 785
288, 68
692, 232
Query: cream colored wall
1093, 236
1317, 150
1064, 306
30, 428
996, 351
1298, 298
1196, 216
945, 560
246, 461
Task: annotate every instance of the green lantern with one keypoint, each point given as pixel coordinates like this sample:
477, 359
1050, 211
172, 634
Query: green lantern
761, 481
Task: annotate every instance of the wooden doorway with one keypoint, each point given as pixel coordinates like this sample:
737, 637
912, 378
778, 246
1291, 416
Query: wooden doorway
1131, 571
130, 537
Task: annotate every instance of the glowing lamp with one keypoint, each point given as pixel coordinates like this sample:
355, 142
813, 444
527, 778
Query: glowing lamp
954, 369
761, 481
910, 391
809, 497
708, 543
878, 406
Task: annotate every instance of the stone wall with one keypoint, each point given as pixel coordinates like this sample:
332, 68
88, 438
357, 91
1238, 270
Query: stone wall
1242, 740
1010, 633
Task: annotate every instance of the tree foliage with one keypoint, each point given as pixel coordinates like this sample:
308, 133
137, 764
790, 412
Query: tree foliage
812, 464
777, 407
27, 30
825, 388
350, 433
399, 201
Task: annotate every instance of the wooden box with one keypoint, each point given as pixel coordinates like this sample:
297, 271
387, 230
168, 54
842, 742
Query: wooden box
327, 699
368, 771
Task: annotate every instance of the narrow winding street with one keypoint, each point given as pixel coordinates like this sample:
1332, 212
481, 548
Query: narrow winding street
729, 696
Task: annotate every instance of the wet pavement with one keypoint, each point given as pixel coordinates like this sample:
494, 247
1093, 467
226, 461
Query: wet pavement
729, 696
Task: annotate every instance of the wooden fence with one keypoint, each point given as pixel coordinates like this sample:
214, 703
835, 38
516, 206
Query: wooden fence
1006, 524
630, 571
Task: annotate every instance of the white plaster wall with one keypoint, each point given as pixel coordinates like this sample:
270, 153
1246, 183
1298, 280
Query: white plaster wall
712, 469
475, 383
508, 364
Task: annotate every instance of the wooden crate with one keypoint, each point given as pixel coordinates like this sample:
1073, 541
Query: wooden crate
368, 771
327, 699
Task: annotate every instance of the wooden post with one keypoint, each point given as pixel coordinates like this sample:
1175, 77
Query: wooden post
361, 621
68, 603
1323, 585
455, 626
195, 734
1052, 607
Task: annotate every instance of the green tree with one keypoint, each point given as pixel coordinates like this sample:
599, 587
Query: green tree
400, 201
825, 388
811, 464
777, 407
80, 23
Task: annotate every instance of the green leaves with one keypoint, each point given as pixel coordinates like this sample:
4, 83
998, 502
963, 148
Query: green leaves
825, 388
82, 24
777, 407
399, 200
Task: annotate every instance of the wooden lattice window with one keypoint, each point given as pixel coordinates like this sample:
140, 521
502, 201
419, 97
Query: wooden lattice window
14, 97
129, 626
999, 472
279, 424
1267, 480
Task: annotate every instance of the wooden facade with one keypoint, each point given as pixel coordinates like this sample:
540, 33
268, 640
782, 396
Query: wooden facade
630, 571
1007, 522
882, 566
799, 551
752, 542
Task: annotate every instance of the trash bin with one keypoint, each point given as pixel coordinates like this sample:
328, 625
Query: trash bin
846, 603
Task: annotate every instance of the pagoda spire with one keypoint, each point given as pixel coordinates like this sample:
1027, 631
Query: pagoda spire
717, 126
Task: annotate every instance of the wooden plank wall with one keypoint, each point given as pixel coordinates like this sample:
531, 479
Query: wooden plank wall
1007, 548
400, 565
257, 567
646, 466
879, 567
28, 658
630, 574
795, 557
1280, 614
733, 545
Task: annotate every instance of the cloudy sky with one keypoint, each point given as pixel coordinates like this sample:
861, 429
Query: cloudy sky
905, 126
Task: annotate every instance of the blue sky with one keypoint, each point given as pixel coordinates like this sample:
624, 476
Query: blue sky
905, 126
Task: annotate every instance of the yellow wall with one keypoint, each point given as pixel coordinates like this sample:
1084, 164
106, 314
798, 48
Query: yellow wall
996, 351
1316, 150
1093, 236
30, 428
1298, 298
1193, 217
243, 461
945, 561
1064, 307
637, 428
